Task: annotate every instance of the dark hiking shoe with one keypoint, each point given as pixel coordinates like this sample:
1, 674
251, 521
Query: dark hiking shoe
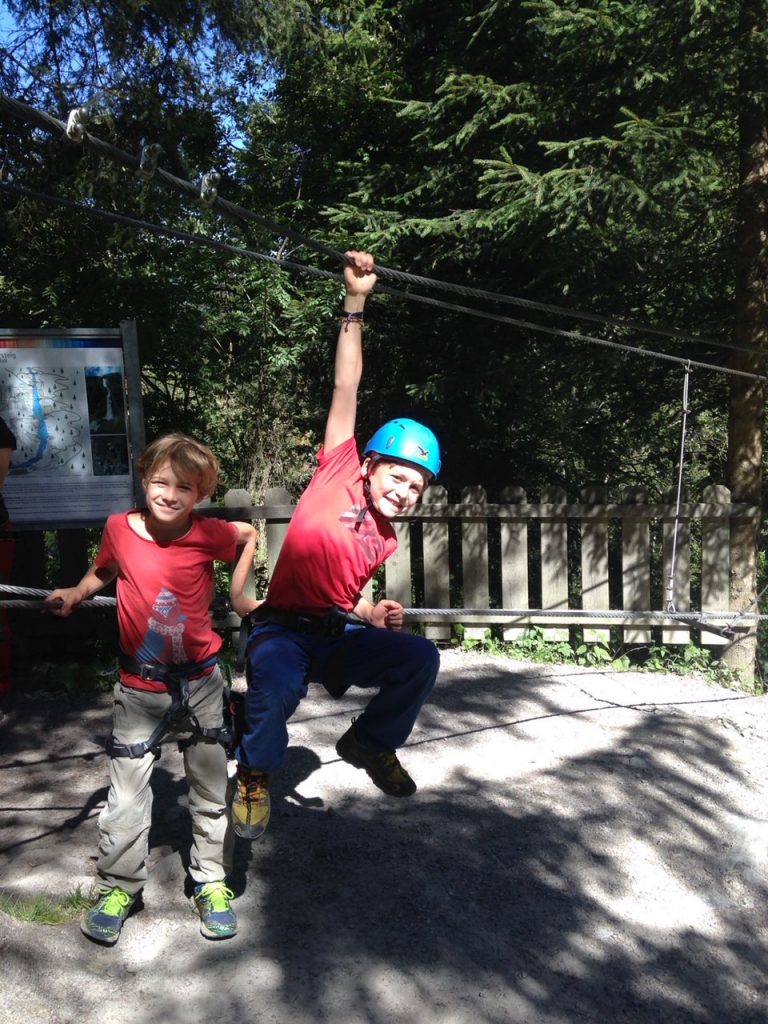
250, 804
217, 918
384, 769
104, 921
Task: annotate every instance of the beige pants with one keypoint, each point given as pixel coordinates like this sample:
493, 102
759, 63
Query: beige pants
125, 820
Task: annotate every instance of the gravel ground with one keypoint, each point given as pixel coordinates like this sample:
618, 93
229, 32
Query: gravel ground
585, 846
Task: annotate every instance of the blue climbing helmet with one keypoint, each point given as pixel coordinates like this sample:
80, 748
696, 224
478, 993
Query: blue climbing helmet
407, 441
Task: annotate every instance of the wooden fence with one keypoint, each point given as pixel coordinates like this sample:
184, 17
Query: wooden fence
552, 561
551, 556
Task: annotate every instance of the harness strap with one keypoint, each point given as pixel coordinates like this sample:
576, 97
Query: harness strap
176, 677
154, 671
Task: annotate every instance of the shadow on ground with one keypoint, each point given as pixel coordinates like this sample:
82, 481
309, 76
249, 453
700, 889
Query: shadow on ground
572, 856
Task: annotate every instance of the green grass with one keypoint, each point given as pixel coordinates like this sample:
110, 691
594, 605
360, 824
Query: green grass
46, 909
684, 661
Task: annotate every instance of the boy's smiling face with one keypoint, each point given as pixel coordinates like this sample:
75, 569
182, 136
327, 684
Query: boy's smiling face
395, 486
170, 497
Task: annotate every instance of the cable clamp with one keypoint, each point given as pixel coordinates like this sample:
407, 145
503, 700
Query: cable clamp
209, 188
76, 122
148, 158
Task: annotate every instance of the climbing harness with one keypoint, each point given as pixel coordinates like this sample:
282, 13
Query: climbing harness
179, 717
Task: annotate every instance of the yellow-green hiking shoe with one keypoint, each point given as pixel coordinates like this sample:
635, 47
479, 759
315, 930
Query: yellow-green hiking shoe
217, 918
250, 804
383, 767
104, 921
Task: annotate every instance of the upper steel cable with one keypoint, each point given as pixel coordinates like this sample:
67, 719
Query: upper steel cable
214, 243
239, 214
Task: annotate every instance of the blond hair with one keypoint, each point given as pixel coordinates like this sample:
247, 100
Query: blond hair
188, 458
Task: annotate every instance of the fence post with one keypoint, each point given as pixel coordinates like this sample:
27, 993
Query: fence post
397, 569
636, 564
594, 564
514, 560
474, 560
554, 560
274, 531
239, 498
437, 593
715, 560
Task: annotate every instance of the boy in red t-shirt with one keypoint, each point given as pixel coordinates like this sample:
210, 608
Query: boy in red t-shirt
162, 557
339, 535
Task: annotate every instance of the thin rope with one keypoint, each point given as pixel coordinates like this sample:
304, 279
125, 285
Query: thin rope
214, 243
239, 214
671, 578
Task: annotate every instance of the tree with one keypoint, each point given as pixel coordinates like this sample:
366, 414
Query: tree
747, 399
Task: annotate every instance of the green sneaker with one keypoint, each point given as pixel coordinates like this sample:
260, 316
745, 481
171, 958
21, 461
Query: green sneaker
217, 918
250, 804
383, 767
104, 921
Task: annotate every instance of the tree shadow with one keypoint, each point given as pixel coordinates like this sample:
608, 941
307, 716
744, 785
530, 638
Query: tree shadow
544, 876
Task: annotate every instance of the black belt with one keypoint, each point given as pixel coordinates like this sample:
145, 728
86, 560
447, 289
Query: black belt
332, 623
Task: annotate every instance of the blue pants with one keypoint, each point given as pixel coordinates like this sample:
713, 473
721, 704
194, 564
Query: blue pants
281, 663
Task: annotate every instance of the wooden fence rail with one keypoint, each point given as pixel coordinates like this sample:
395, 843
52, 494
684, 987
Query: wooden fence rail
550, 560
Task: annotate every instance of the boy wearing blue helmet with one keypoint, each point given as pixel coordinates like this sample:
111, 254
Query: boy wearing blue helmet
340, 534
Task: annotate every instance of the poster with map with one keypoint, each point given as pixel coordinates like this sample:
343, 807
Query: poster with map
63, 395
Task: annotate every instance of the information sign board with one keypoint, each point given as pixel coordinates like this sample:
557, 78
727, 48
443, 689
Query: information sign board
64, 394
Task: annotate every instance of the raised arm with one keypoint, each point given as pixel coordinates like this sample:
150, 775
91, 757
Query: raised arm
359, 279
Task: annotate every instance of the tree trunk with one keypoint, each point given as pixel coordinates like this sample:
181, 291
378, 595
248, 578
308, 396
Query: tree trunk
747, 397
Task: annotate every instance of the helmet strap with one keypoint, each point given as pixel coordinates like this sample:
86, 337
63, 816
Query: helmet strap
368, 506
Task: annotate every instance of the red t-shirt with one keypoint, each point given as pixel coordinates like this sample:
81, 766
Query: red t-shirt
327, 557
164, 591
